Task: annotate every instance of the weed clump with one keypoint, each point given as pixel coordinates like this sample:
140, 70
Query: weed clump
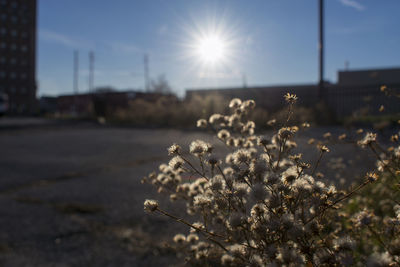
261, 204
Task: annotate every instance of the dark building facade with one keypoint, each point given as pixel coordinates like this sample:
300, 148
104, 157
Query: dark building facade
369, 77
18, 54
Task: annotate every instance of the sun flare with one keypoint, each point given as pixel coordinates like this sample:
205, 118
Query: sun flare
211, 49
212, 46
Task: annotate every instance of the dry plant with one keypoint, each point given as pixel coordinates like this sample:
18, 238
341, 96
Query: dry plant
262, 205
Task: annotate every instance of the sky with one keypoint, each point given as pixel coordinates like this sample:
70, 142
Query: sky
264, 42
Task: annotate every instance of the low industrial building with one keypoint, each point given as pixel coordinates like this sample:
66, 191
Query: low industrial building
355, 90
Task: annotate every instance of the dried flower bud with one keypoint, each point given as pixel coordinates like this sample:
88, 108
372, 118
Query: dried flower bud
285, 132
179, 238
223, 134
241, 156
176, 162
372, 176
363, 218
296, 157
327, 135
174, 149
248, 104
150, 205
227, 260
235, 103
290, 98
202, 123
368, 139
271, 122
199, 147
192, 238
323, 148
173, 197
216, 119
197, 225
230, 141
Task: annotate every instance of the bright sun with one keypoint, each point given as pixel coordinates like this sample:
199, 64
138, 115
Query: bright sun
211, 49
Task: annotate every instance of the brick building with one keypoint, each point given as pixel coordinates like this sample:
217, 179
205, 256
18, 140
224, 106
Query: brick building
18, 54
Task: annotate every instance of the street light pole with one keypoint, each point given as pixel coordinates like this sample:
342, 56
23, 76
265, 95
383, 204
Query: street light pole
321, 48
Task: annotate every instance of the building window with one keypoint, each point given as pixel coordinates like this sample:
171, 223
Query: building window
3, 45
3, 74
14, 19
3, 31
13, 61
14, 4
24, 35
3, 60
3, 2
3, 17
24, 62
23, 90
13, 47
23, 76
13, 75
24, 48
14, 33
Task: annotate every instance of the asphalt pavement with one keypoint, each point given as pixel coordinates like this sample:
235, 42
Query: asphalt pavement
70, 193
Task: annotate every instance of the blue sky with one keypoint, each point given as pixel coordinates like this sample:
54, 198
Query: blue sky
269, 41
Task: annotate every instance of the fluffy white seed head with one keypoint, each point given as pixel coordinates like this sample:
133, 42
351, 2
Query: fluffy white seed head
235, 103
150, 205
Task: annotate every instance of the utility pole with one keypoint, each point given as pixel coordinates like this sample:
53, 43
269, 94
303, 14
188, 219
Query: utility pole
91, 70
76, 70
244, 80
76, 89
321, 49
146, 72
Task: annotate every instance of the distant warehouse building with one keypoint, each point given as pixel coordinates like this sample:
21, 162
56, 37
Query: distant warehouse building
369, 77
18, 54
359, 90
355, 90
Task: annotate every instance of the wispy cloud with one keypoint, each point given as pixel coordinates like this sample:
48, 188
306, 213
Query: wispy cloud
63, 39
353, 4
163, 29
